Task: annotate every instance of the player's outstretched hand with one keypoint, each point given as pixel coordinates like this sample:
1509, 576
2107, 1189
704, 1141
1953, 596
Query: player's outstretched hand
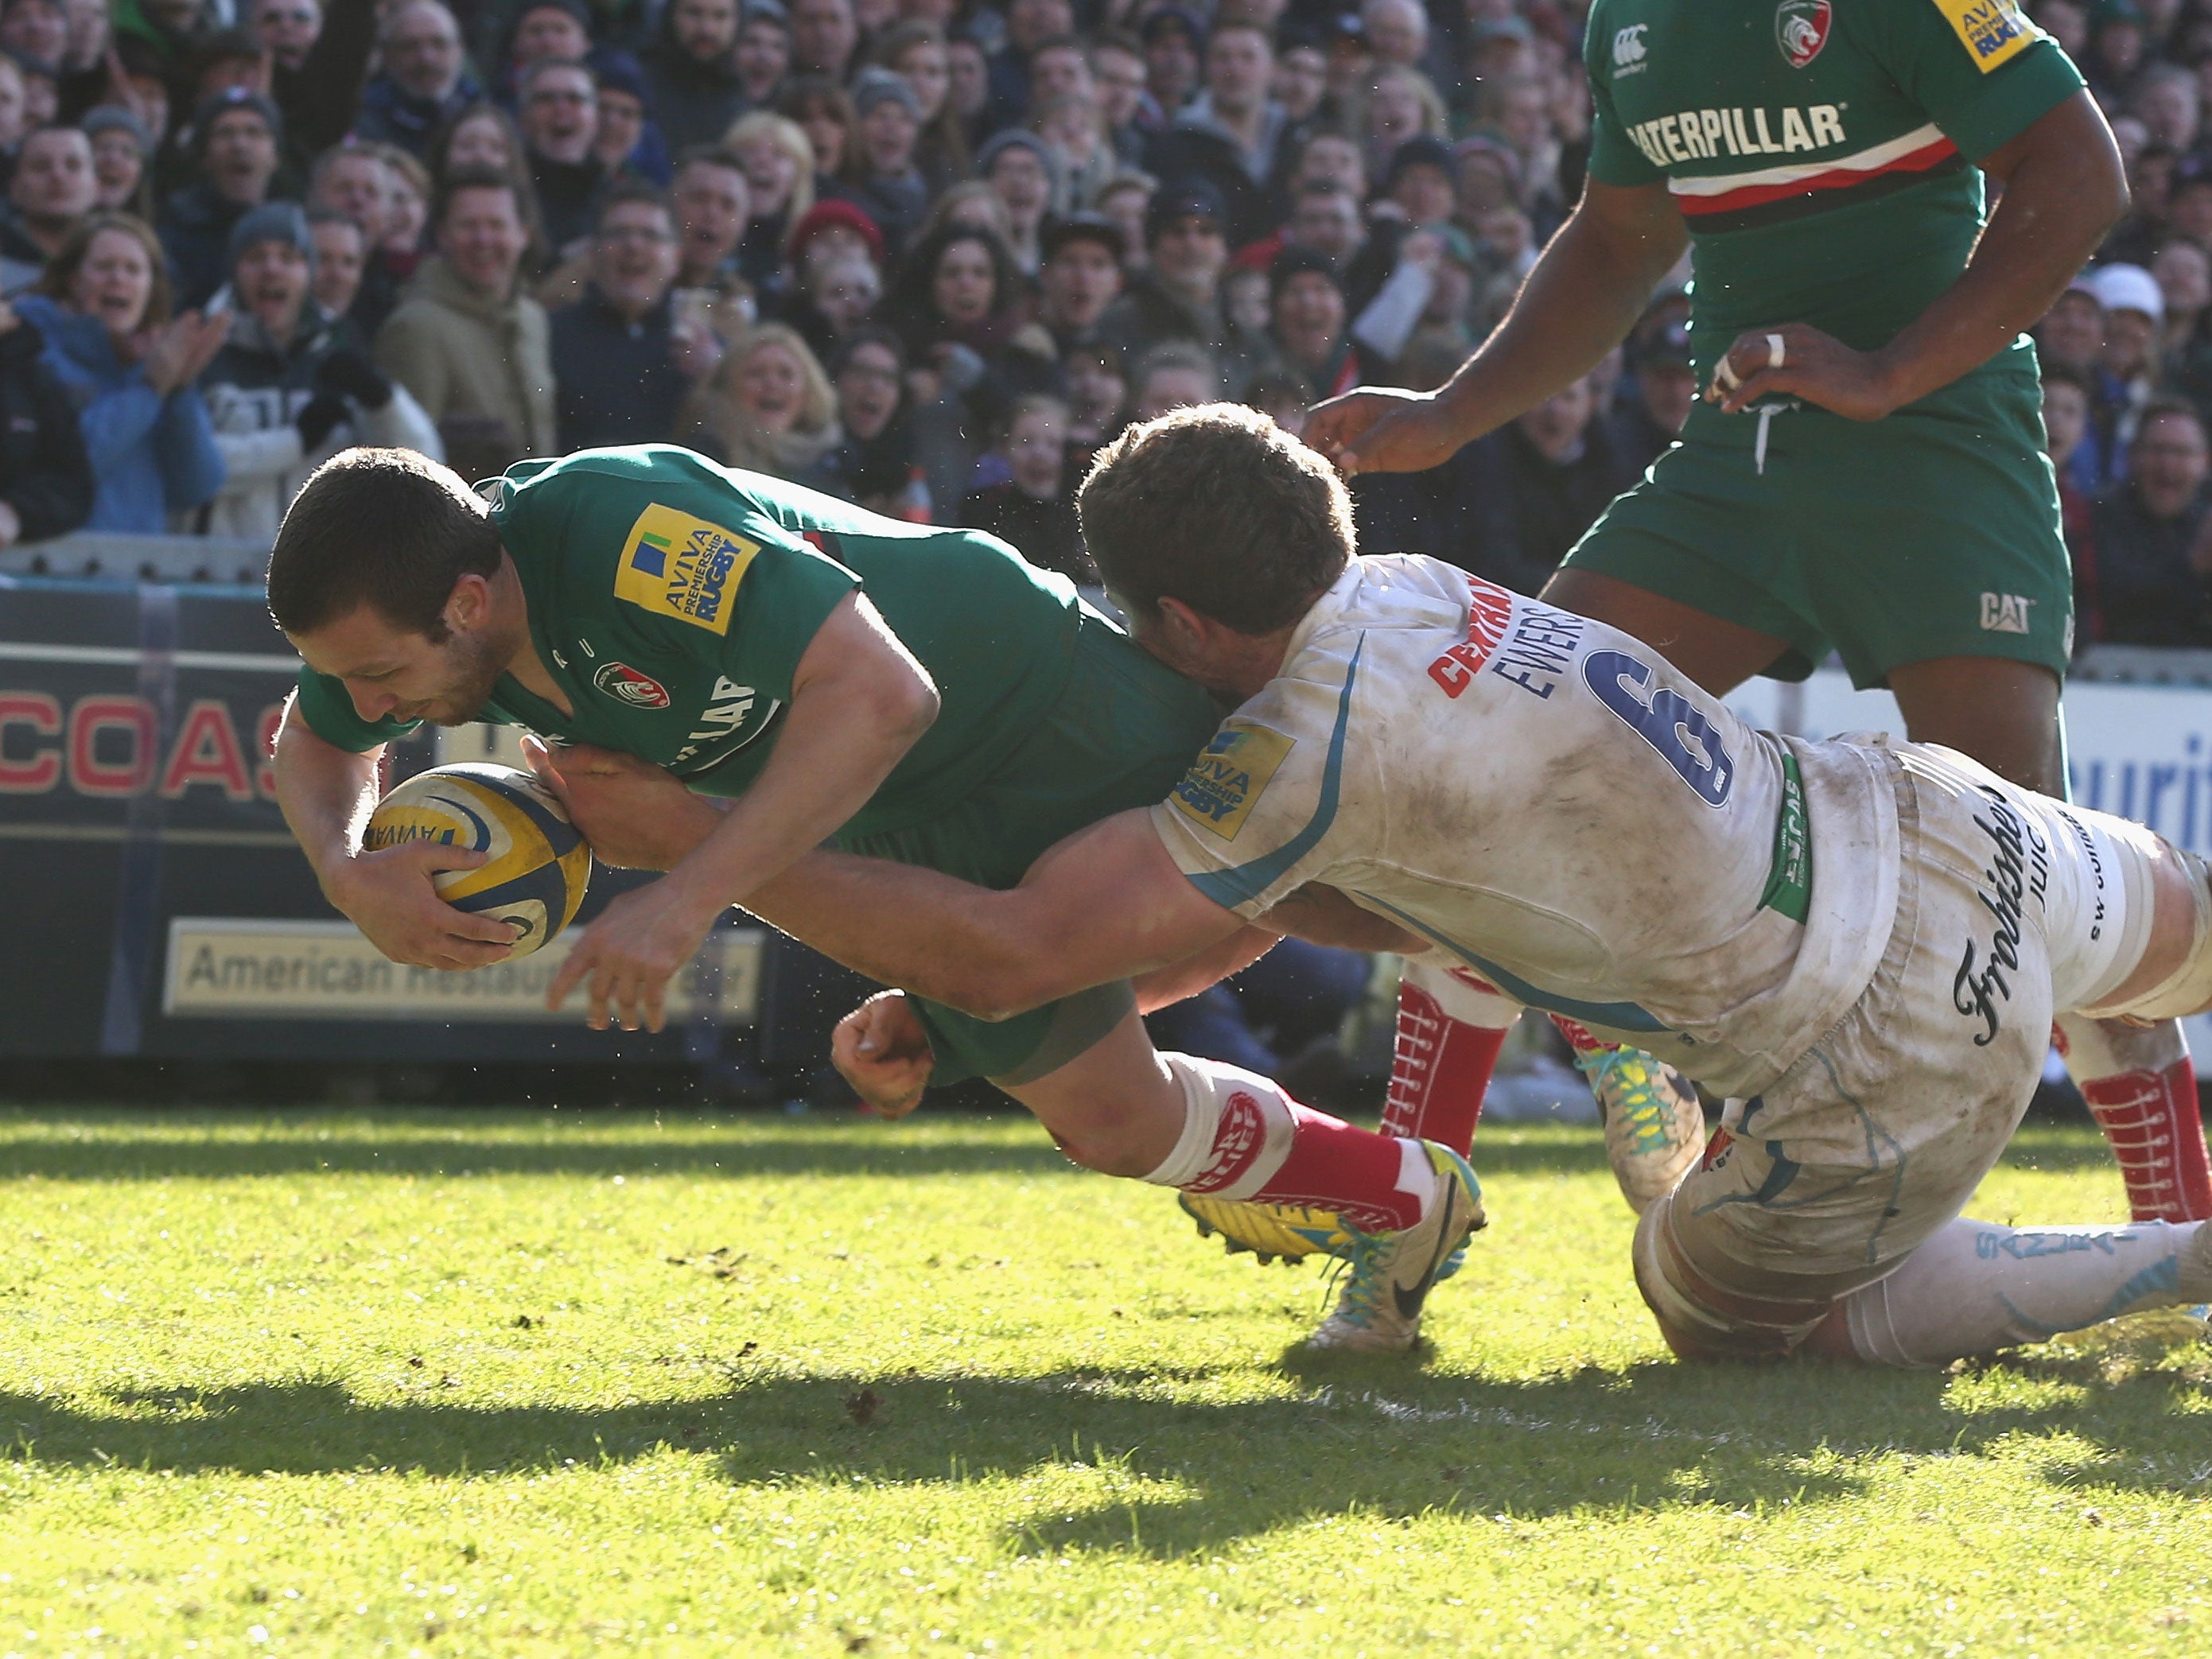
635, 815
1381, 429
881, 1049
388, 896
1795, 359
630, 952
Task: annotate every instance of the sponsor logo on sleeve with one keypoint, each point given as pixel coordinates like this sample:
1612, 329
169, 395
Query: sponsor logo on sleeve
1993, 31
1229, 775
675, 565
1801, 29
625, 685
1629, 49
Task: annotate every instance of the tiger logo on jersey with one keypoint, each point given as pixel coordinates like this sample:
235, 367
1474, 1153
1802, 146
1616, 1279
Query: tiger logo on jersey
675, 565
1218, 791
1801, 29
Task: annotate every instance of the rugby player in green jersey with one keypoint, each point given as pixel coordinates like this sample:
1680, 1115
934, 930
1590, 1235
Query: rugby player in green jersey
920, 695
1865, 472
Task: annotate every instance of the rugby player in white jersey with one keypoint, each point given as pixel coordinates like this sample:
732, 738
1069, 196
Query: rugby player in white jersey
1862, 945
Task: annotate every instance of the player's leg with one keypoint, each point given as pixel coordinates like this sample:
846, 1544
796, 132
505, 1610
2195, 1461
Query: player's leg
1213, 1130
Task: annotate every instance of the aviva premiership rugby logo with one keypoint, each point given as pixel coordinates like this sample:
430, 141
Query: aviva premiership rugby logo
1218, 791
620, 681
675, 565
1801, 29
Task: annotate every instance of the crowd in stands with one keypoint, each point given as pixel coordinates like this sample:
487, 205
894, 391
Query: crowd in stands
925, 254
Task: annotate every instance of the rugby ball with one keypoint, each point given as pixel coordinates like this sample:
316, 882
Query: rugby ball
539, 866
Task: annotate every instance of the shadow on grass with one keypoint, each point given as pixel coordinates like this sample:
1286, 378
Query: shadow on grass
1372, 1437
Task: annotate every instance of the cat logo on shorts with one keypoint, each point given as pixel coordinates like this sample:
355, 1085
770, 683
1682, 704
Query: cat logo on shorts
675, 565
1218, 793
1801, 29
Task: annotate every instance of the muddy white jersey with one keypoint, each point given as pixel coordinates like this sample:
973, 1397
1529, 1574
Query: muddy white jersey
1548, 800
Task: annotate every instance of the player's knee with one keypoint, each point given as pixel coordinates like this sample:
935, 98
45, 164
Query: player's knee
1105, 1152
1700, 1318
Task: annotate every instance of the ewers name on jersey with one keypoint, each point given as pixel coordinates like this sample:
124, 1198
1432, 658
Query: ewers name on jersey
1548, 800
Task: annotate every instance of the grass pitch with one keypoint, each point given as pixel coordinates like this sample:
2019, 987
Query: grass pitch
450, 1383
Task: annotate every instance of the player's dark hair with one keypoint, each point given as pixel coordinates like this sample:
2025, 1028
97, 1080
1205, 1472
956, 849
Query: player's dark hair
386, 528
1219, 507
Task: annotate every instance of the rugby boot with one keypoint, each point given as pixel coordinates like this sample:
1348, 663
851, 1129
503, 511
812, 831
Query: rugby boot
1388, 1276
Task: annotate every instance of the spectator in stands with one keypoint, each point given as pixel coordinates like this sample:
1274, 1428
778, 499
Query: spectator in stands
1018, 168
1124, 202
425, 80
767, 408
779, 165
1177, 374
881, 175
341, 255
1175, 45
2127, 371
763, 54
1178, 295
691, 72
622, 360
1029, 25
1097, 388
713, 203
482, 136
407, 213
354, 183
1080, 280
560, 120
914, 51
316, 66
837, 296
129, 366
2150, 572
823, 34
1305, 303
467, 342
2066, 392
46, 478
288, 388
120, 151
1400, 105
1229, 133
1032, 507
235, 136
1301, 74
2072, 335
876, 465
1666, 385
1125, 109
628, 143
824, 114
50, 193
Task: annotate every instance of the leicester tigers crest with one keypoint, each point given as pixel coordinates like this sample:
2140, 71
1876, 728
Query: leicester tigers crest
1801, 29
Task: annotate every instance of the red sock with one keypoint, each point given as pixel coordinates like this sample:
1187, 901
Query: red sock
1244, 1139
2148, 1110
1441, 1068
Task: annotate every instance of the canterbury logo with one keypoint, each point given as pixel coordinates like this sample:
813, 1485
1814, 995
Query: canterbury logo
1628, 44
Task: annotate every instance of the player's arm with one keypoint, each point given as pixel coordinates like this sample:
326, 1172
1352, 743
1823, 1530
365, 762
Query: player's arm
1106, 903
859, 703
1583, 295
327, 793
2065, 188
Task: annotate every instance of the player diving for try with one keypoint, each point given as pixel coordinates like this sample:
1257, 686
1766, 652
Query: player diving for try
917, 694
1861, 945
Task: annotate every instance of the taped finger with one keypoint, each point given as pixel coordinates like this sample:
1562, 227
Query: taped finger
1775, 350
1724, 374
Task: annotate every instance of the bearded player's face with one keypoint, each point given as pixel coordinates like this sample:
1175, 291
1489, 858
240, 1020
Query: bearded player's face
398, 673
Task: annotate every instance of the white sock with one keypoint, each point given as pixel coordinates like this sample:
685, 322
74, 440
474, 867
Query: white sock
1975, 1287
1260, 1127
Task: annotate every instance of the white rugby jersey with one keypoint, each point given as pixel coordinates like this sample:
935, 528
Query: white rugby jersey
1547, 799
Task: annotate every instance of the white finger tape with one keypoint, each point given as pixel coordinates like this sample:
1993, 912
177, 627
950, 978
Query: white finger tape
1724, 372
1775, 352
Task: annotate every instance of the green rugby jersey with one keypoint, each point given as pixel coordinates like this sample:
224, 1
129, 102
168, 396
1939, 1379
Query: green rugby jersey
1821, 151
671, 599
